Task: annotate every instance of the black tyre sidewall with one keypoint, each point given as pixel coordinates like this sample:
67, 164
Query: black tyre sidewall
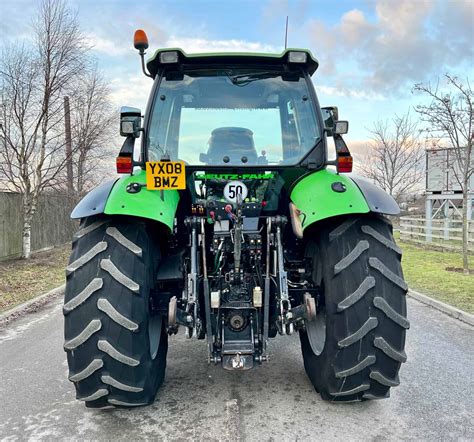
149, 374
322, 369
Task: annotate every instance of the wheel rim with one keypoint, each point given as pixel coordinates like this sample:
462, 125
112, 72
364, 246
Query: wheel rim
316, 331
154, 334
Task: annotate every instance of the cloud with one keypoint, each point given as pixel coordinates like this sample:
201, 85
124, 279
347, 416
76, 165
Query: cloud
192, 45
107, 46
131, 90
405, 42
350, 93
115, 38
117, 48
354, 27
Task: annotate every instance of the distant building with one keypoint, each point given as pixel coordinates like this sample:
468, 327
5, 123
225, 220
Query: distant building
443, 190
442, 168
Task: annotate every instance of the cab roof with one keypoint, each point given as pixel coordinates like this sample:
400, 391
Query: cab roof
154, 64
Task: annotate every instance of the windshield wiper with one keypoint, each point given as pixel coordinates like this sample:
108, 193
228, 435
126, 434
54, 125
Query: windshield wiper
244, 79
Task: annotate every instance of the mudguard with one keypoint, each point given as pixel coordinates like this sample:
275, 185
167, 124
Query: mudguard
112, 198
378, 200
325, 194
94, 202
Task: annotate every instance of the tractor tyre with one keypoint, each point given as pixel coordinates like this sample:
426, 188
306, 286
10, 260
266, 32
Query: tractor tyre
354, 348
116, 347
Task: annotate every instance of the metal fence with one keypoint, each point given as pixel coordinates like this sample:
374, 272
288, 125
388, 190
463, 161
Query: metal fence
51, 225
445, 233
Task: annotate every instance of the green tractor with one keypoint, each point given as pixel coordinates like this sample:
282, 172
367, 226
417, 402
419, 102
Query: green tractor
233, 225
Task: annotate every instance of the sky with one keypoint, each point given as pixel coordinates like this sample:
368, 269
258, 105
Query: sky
371, 52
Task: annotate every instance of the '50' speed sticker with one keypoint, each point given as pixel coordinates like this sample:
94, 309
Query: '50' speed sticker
235, 192
165, 175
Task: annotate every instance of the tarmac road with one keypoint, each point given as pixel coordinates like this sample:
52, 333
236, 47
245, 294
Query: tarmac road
273, 402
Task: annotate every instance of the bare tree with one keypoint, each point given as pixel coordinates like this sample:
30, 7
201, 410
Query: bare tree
33, 84
450, 121
92, 121
395, 156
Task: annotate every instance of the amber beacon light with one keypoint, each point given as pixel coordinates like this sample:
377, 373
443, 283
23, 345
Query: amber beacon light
140, 40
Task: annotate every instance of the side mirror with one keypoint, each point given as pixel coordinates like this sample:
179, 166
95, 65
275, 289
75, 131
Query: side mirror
331, 111
341, 127
330, 116
130, 122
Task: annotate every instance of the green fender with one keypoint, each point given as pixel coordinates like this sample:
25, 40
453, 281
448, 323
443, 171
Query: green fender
315, 197
152, 204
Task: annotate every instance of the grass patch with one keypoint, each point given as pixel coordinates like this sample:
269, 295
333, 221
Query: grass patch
22, 280
425, 271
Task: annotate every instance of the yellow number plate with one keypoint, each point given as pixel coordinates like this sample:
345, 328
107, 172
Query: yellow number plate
165, 175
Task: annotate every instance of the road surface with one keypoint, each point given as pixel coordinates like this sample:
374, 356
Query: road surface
273, 402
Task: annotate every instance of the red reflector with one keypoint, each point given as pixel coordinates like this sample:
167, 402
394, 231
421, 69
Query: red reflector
344, 164
124, 164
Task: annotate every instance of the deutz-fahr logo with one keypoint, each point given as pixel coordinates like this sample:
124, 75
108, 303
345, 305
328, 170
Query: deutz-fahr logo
235, 176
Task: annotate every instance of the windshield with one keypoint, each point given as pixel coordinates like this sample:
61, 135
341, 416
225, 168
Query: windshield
229, 117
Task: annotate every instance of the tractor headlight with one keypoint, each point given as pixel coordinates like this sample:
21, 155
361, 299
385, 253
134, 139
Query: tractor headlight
127, 128
169, 57
297, 57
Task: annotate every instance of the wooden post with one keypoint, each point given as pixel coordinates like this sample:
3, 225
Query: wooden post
428, 215
446, 219
67, 124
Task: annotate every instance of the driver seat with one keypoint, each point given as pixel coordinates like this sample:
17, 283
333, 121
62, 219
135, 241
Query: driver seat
234, 142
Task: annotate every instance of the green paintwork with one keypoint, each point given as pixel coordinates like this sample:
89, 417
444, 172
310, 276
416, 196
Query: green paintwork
314, 197
152, 204
153, 64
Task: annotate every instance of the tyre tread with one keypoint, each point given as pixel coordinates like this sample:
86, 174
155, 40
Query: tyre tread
86, 257
366, 324
112, 270
110, 276
361, 291
109, 380
367, 362
396, 317
95, 365
92, 287
94, 396
381, 239
121, 239
352, 256
108, 348
385, 271
384, 380
352, 391
104, 305
383, 345
93, 327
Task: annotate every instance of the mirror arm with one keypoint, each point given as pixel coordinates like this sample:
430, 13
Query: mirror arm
127, 147
328, 131
341, 146
127, 150
142, 57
